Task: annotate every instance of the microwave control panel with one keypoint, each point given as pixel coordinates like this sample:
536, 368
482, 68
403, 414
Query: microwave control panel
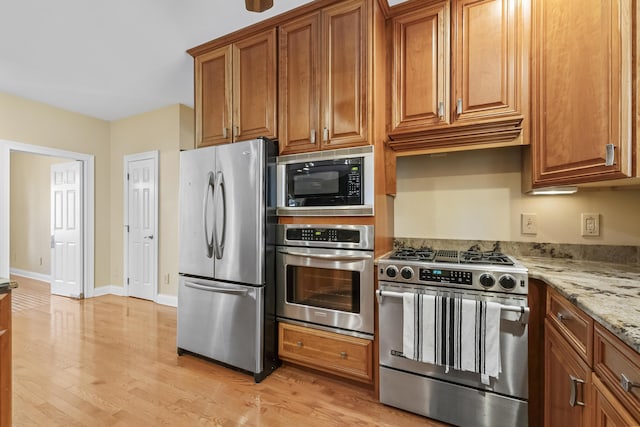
323, 235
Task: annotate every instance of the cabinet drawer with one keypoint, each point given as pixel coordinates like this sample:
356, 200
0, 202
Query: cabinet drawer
611, 360
574, 325
326, 351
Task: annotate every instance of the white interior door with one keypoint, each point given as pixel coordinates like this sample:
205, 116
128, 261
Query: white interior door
142, 242
66, 230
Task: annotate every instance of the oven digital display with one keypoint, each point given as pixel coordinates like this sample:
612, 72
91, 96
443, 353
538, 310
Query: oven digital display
446, 276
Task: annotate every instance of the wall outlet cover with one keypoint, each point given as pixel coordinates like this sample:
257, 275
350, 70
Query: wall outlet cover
590, 224
529, 223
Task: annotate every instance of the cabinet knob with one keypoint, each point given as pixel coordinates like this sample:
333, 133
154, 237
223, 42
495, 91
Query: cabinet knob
441, 110
225, 133
343, 354
459, 106
626, 384
236, 131
312, 136
299, 344
325, 134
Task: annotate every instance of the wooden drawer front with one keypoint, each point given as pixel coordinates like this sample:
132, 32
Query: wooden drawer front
611, 359
574, 325
335, 353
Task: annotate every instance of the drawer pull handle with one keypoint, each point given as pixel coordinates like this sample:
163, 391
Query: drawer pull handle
343, 354
299, 344
627, 384
573, 400
561, 317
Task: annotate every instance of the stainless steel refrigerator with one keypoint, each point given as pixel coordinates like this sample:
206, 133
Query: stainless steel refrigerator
226, 293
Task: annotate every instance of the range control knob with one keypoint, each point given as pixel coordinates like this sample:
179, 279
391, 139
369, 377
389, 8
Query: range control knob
487, 280
392, 271
507, 282
406, 272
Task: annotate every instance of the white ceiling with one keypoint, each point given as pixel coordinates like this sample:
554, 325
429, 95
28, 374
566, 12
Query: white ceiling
112, 59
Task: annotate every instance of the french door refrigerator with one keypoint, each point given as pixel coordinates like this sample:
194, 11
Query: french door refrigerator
226, 291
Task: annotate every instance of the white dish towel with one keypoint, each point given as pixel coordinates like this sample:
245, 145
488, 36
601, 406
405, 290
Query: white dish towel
453, 332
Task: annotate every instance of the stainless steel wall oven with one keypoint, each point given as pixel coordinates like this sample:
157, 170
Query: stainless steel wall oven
324, 276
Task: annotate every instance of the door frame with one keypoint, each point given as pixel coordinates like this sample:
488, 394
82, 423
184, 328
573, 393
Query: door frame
88, 205
148, 155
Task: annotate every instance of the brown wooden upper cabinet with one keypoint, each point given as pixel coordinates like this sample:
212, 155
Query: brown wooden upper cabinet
324, 78
581, 91
459, 68
235, 89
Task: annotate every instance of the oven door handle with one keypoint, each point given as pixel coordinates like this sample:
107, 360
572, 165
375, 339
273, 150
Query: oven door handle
524, 311
327, 256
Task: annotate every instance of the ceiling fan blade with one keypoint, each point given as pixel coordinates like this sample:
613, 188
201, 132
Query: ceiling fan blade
258, 5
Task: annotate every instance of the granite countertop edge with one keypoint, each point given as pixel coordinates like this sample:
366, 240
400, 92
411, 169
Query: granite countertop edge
602, 290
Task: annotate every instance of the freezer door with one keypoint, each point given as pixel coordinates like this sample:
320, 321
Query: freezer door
197, 177
221, 321
239, 203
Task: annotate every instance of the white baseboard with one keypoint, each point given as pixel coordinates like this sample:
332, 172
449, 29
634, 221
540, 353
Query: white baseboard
31, 275
109, 290
163, 299
170, 300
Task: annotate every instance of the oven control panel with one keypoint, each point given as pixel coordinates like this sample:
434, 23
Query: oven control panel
446, 276
323, 235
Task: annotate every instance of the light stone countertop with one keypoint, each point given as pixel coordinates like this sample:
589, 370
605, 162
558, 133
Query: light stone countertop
610, 293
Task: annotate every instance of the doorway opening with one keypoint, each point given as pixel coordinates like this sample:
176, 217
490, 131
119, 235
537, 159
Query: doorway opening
87, 176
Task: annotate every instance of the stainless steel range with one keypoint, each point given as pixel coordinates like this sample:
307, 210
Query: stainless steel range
438, 391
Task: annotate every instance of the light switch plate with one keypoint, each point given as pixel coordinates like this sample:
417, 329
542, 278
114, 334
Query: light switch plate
529, 223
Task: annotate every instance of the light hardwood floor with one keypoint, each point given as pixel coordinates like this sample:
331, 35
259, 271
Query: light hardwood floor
111, 361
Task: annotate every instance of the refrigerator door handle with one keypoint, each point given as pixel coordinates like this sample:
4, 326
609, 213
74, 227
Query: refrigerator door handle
242, 292
208, 242
219, 244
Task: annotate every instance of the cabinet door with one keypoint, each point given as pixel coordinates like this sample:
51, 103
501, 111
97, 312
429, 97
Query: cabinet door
567, 379
487, 55
345, 74
213, 97
608, 411
299, 89
5, 360
581, 90
421, 69
254, 87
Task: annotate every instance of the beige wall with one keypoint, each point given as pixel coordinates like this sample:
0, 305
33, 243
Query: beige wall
30, 122
167, 130
30, 246
477, 195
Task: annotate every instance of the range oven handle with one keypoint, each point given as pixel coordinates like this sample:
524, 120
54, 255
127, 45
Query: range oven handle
524, 311
242, 292
327, 256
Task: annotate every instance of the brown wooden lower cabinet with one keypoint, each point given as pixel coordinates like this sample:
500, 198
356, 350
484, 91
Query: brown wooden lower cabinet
567, 394
5, 360
337, 354
608, 411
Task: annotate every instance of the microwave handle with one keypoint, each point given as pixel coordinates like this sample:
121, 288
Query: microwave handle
326, 256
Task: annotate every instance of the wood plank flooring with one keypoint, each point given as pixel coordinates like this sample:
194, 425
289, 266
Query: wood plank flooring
111, 361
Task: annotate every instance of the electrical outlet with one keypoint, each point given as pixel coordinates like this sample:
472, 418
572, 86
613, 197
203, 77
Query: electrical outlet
590, 224
529, 224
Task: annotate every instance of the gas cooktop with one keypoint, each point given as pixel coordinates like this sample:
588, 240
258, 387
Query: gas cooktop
477, 270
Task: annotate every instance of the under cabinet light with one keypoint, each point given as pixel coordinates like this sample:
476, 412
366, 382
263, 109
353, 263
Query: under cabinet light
553, 191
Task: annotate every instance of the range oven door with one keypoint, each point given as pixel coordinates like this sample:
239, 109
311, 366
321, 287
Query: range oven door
329, 287
513, 380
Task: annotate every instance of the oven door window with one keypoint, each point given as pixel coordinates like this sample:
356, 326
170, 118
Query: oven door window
324, 288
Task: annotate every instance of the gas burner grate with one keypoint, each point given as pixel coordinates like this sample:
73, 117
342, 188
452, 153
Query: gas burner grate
407, 254
488, 257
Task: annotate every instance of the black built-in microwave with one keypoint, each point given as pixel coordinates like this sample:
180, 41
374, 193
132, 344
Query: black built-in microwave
326, 183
